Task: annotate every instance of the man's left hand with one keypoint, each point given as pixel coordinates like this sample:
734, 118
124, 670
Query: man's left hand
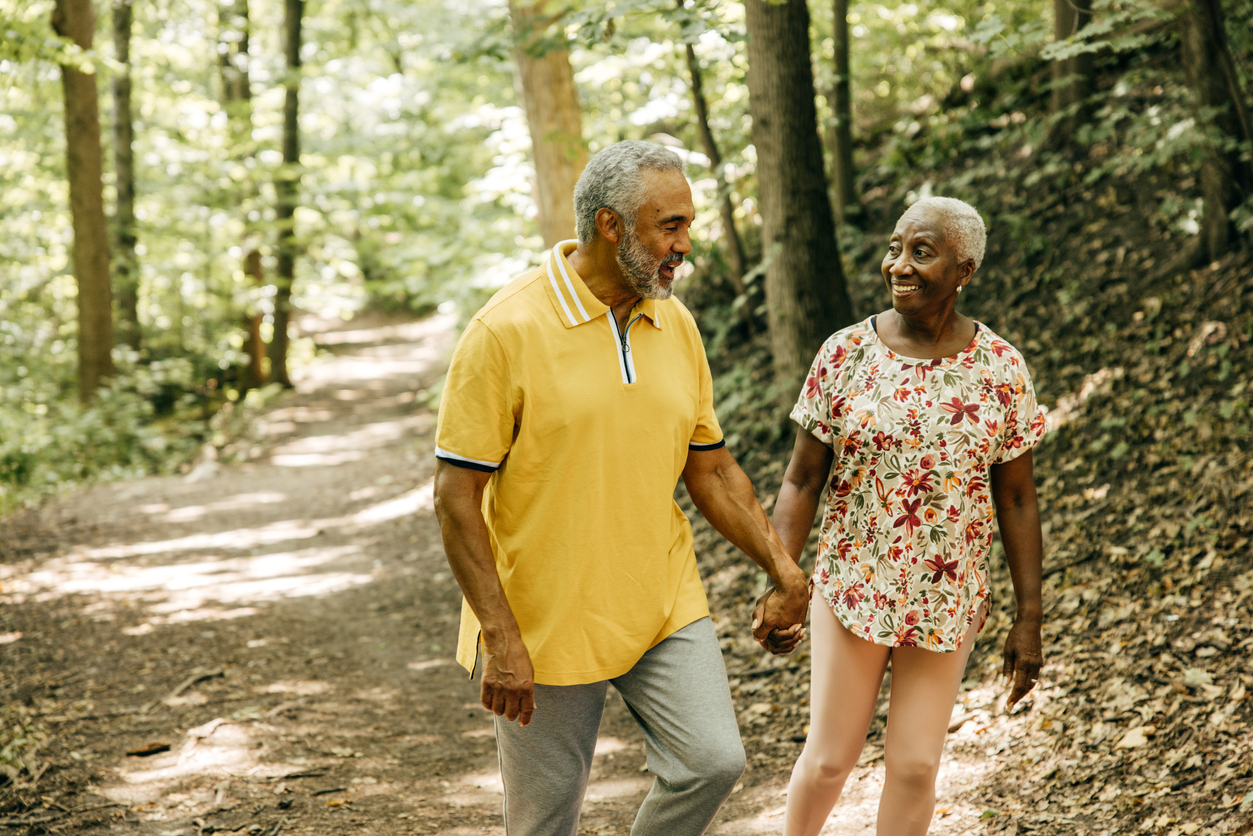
779, 619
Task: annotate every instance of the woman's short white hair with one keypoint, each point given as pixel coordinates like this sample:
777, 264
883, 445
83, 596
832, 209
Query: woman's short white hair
614, 179
960, 222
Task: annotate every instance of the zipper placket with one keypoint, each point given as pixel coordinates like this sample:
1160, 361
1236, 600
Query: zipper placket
624, 344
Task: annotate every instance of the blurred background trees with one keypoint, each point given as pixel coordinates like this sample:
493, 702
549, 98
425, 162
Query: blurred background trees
268, 161
75, 20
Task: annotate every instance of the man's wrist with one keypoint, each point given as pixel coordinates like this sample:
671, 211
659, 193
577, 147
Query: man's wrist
790, 579
499, 631
1031, 615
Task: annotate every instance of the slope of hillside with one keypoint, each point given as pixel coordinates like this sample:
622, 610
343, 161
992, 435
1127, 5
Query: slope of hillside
1140, 723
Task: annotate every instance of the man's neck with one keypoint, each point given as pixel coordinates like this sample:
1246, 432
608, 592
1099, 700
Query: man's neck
597, 265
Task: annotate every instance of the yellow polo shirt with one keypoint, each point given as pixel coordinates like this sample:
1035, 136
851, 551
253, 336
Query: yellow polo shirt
586, 433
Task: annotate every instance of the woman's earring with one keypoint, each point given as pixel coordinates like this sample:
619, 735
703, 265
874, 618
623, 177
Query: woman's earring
959, 288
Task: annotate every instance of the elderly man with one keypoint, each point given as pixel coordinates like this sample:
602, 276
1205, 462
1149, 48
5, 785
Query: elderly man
576, 399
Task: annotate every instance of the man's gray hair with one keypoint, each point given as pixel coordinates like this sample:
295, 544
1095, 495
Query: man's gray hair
614, 178
960, 222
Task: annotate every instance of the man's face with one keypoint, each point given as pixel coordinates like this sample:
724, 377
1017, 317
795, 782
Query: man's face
649, 254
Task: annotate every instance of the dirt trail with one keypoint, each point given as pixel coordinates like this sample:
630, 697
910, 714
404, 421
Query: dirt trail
286, 625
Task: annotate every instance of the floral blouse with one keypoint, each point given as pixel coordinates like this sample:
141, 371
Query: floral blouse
903, 552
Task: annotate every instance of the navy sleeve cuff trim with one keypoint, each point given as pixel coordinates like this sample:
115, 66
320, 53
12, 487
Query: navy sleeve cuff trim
702, 447
483, 468
468, 463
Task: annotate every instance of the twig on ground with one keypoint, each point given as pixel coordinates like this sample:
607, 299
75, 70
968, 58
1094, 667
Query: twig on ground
1062, 567
24, 822
961, 720
308, 773
193, 679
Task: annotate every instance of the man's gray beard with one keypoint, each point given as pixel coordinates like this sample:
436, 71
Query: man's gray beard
642, 270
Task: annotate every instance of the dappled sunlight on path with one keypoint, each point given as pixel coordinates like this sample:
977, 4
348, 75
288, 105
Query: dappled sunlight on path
222, 567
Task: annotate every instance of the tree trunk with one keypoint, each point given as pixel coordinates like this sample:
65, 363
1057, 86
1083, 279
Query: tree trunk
1226, 180
76, 20
126, 264
254, 374
805, 293
734, 246
1072, 77
287, 189
847, 206
234, 31
553, 115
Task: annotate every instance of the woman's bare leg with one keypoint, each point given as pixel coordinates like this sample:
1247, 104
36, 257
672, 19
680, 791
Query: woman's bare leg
847, 673
924, 689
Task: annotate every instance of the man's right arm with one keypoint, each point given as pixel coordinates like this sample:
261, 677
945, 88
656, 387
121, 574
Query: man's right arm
508, 677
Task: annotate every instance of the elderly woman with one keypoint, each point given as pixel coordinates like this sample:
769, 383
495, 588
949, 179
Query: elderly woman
929, 419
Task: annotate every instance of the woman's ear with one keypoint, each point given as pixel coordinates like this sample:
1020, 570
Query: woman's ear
965, 270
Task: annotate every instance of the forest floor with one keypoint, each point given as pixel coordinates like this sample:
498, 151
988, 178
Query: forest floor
266, 647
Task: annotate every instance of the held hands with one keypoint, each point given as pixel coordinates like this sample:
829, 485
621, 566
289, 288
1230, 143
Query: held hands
779, 618
508, 679
1023, 659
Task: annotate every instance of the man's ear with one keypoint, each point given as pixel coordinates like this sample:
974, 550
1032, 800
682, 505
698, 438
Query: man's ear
609, 225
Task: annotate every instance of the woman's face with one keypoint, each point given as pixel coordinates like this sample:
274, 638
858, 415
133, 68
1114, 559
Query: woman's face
920, 269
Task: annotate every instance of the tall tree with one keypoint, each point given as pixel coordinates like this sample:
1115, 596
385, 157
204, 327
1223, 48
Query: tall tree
287, 189
1226, 179
553, 115
126, 263
234, 30
1072, 76
805, 292
726, 208
847, 206
76, 20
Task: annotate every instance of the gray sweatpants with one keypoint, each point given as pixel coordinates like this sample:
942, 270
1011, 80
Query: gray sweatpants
678, 694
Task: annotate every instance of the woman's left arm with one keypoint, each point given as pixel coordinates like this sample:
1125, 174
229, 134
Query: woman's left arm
1013, 491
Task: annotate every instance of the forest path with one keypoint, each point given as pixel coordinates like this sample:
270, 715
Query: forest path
285, 626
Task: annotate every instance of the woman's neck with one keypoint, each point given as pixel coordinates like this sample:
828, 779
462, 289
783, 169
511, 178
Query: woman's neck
926, 338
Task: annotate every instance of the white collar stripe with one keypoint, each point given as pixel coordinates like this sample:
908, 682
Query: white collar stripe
560, 298
562, 267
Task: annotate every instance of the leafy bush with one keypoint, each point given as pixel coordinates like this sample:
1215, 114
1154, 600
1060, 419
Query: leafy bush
20, 740
49, 443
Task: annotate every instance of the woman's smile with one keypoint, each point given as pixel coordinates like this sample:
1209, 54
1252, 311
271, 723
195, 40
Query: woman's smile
904, 287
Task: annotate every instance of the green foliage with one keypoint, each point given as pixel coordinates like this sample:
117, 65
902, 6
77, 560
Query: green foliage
1005, 38
599, 22
412, 193
48, 443
25, 36
415, 179
21, 737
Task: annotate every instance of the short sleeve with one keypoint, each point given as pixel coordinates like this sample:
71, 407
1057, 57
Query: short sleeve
813, 407
477, 406
708, 433
1024, 420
